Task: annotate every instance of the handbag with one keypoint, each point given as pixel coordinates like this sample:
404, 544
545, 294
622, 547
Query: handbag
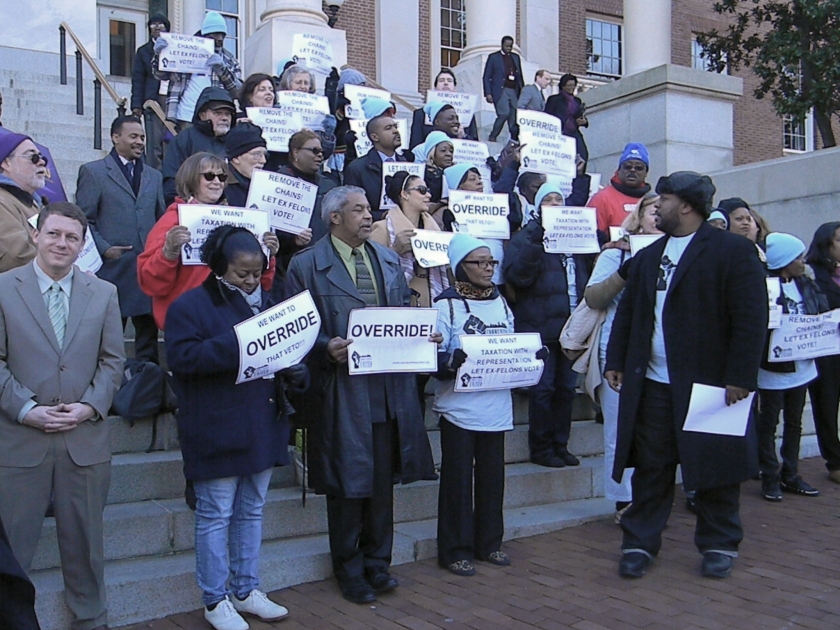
577, 332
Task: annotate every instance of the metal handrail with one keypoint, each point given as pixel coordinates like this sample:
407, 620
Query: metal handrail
99, 82
156, 109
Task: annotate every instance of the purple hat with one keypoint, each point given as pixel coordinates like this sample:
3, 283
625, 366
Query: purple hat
9, 142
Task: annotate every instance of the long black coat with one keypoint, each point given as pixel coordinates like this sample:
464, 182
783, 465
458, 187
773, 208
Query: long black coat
144, 85
714, 323
366, 172
341, 437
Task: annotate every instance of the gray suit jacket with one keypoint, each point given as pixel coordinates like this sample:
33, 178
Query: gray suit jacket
118, 217
531, 98
87, 369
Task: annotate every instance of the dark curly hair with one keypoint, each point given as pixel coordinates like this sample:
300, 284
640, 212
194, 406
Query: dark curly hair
225, 243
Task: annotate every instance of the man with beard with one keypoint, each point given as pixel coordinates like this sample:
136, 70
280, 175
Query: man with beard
23, 170
694, 311
626, 189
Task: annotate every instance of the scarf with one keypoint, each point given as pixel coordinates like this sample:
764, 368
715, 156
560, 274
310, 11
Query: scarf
469, 291
636, 193
253, 300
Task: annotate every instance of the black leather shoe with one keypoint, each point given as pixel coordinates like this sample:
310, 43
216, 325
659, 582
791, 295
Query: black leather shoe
549, 461
716, 565
568, 458
358, 591
381, 580
633, 564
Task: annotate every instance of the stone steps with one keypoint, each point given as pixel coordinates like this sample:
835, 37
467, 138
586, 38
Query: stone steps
169, 581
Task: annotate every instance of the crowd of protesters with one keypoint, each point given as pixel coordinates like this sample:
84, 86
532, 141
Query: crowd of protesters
708, 270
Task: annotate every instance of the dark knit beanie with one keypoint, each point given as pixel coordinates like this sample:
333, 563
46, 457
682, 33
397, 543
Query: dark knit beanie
693, 188
242, 138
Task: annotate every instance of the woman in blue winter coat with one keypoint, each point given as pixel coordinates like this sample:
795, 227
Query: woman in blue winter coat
472, 424
231, 435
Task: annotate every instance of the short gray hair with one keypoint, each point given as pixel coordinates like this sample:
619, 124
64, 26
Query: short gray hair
336, 199
290, 73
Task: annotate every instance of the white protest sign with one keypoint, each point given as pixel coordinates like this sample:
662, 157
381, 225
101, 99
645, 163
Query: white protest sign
483, 215
464, 104
471, 151
388, 169
431, 248
639, 241
570, 230
276, 338
313, 52
201, 220
89, 259
499, 362
278, 125
594, 183
185, 54
311, 107
363, 143
391, 340
288, 201
801, 337
544, 147
356, 94
486, 178
774, 292
617, 233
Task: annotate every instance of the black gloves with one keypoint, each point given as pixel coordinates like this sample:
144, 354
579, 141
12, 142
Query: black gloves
458, 358
535, 232
542, 353
295, 378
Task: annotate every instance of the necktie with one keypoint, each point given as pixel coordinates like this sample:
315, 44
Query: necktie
390, 159
130, 167
364, 283
58, 316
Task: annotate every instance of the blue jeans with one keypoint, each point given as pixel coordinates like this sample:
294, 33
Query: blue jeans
228, 520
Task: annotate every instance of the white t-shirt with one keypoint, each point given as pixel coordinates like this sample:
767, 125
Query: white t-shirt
195, 86
674, 249
806, 371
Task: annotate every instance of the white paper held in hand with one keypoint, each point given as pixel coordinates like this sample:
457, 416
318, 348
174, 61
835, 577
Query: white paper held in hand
709, 413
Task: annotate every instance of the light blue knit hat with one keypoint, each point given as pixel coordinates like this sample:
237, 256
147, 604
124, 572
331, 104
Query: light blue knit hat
782, 249
433, 108
373, 107
460, 247
455, 174
213, 23
544, 191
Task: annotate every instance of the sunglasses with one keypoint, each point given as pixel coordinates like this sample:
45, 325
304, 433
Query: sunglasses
314, 150
421, 189
483, 264
34, 158
211, 176
639, 168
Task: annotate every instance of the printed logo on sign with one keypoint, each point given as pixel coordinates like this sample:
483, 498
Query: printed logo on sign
549, 243
425, 262
470, 381
249, 371
782, 353
361, 361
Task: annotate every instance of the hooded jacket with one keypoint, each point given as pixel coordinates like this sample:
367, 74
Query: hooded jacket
16, 207
199, 137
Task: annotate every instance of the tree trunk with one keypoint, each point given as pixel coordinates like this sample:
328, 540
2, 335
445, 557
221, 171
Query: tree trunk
824, 125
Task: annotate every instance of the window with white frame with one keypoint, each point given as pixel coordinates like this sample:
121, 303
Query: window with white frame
603, 47
453, 31
699, 60
797, 134
229, 10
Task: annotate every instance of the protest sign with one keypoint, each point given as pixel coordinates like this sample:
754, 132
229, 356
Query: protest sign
185, 54
617, 233
278, 125
289, 201
639, 241
431, 248
570, 230
356, 94
464, 104
391, 340
201, 220
277, 338
313, 52
774, 292
363, 143
311, 107
471, 151
388, 169
479, 214
801, 337
499, 362
89, 259
544, 147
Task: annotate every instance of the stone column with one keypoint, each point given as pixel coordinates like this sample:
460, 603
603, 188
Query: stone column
540, 33
186, 16
647, 34
271, 42
398, 47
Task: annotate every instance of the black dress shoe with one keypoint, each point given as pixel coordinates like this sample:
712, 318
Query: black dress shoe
716, 565
633, 564
358, 591
568, 458
549, 461
381, 580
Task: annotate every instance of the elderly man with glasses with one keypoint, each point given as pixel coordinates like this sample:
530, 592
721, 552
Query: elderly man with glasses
23, 170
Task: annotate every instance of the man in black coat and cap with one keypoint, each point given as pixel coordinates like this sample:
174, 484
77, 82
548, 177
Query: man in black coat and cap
145, 86
694, 311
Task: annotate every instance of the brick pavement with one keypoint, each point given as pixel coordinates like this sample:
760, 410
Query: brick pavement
787, 577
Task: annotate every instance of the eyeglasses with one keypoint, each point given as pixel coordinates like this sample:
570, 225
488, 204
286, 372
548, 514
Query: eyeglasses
423, 190
314, 150
482, 264
33, 157
211, 176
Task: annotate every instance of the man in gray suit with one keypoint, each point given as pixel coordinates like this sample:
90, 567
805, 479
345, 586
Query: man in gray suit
61, 360
532, 96
123, 198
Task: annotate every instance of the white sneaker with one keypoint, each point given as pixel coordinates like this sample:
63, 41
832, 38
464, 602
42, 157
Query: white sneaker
258, 604
225, 617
